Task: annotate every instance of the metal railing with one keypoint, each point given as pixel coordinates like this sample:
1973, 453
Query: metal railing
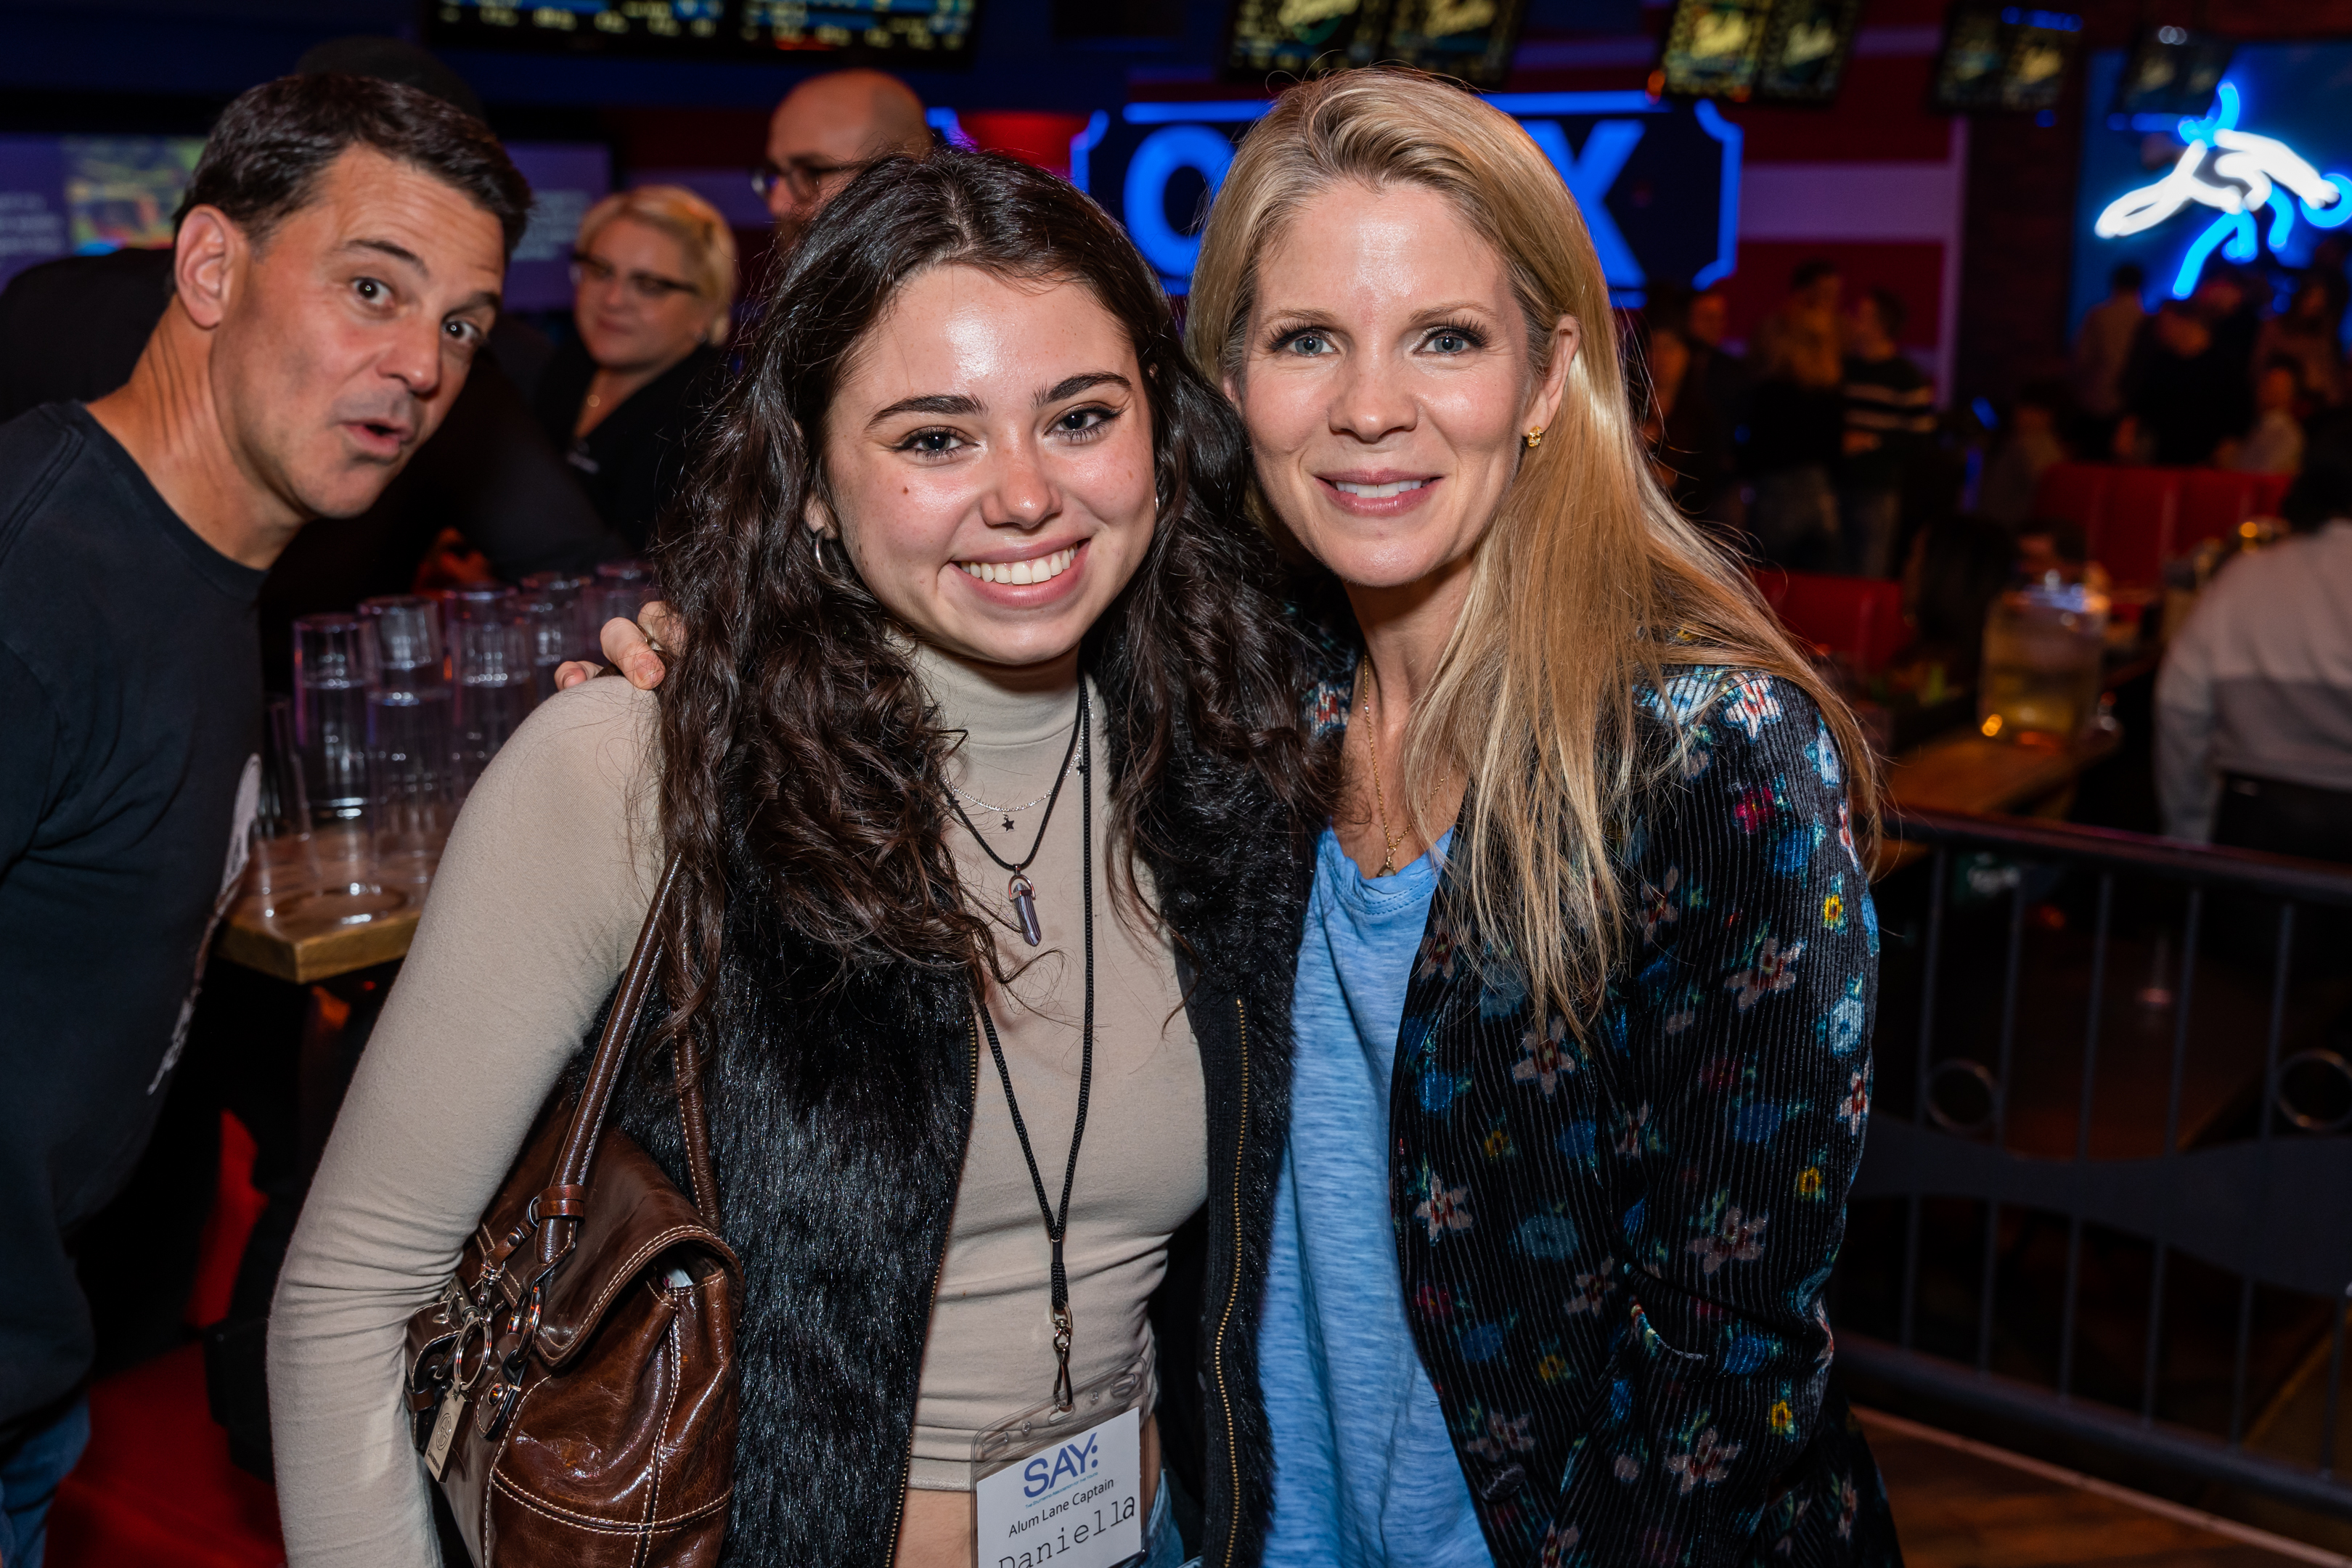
2246, 1183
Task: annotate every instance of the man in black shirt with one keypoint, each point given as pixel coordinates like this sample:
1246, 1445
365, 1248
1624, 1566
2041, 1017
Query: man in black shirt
338, 264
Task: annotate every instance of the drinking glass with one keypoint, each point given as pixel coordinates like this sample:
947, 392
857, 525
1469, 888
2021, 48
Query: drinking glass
330, 717
2041, 663
493, 694
622, 589
550, 629
411, 761
564, 591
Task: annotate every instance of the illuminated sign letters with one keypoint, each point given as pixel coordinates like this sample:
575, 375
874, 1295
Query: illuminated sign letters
1658, 184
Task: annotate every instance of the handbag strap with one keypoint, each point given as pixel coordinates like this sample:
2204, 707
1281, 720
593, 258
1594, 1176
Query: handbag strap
564, 1201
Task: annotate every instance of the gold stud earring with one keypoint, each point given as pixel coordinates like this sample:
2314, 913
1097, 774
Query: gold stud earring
1533, 438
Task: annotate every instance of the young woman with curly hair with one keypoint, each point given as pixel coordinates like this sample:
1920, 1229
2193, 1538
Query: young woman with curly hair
966, 582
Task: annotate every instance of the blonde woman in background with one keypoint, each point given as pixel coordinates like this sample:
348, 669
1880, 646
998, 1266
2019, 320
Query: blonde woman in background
1796, 431
1584, 1001
653, 274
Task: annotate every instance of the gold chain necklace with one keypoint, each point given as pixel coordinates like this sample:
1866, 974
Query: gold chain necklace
1380, 804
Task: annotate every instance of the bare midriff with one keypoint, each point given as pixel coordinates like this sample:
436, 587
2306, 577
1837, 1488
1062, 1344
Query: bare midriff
935, 1530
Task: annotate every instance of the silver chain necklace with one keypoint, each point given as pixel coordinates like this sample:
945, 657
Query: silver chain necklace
1009, 811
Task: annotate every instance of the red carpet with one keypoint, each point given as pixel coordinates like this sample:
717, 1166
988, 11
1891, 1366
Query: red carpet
155, 1488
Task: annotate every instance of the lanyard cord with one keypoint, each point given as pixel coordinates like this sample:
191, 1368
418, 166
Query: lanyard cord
1020, 889
1057, 1227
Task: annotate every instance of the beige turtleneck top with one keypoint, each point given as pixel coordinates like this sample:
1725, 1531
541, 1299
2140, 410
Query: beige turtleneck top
538, 898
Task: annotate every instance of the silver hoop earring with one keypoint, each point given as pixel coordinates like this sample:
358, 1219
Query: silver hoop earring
832, 557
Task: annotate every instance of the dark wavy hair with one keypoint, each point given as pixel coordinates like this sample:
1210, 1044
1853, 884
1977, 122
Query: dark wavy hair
801, 766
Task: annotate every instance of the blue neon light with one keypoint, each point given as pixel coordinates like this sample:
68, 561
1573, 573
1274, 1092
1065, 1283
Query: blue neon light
2195, 179
1588, 176
1184, 139
945, 122
1197, 113
1726, 241
2281, 217
1519, 104
2335, 216
1165, 151
1083, 144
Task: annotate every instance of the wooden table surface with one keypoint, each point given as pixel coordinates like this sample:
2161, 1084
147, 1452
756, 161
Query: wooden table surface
1965, 771
303, 939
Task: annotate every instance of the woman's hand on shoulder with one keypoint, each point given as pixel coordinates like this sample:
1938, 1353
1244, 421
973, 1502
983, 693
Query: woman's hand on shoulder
634, 648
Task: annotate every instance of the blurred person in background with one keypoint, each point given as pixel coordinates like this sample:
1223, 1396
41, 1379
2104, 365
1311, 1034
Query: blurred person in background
2185, 398
2274, 444
2103, 344
1955, 569
655, 274
2306, 334
2254, 703
1796, 421
1890, 415
2232, 305
1689, 441
827, 129
2030, 446
1724, 374
336, 271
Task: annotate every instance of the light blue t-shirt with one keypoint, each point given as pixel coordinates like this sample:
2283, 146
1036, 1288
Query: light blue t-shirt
1364, 1474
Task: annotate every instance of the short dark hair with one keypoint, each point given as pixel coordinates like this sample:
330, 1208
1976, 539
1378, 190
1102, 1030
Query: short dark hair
1893, 313
1810, 272
2128, 275
262, 162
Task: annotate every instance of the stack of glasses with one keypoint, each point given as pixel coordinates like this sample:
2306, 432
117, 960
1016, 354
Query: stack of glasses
397, 710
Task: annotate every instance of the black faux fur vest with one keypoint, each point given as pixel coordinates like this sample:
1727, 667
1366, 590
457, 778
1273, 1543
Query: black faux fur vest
838, 1128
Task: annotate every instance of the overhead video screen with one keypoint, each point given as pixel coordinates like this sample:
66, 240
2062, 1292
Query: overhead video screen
83, 195
933, 34
1998, 56
1715, 49
1471, 41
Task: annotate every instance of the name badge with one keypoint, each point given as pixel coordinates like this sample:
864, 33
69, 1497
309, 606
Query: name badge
1077, 1504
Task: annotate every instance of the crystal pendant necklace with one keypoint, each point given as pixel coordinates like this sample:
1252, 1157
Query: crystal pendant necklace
1020, 889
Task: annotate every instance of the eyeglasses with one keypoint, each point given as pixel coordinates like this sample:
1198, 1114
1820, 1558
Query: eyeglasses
647, 288
802, 177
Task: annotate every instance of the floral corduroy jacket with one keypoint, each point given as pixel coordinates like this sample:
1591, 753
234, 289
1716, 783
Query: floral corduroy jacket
1614, 1249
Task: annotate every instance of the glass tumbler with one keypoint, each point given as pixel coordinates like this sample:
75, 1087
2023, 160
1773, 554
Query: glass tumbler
411, 756
622, 589
563, 592
330, 717
494, 692
2043, 651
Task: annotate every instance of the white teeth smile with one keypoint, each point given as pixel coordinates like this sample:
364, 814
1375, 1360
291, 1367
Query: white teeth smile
1044, 569
1378, 492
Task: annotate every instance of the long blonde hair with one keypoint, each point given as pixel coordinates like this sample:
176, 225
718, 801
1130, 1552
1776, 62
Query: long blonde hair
1587, 587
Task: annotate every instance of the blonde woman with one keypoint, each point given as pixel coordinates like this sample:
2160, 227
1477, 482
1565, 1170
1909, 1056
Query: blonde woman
1581, 1015
1579, 1065
654, 277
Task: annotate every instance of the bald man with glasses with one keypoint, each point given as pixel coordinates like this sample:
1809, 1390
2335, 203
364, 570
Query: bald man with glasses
827, 129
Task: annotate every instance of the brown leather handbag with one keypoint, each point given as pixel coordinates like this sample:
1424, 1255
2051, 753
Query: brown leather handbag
573, 1389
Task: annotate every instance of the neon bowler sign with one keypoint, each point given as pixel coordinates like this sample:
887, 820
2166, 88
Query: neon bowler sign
1658, 183
2237, 174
